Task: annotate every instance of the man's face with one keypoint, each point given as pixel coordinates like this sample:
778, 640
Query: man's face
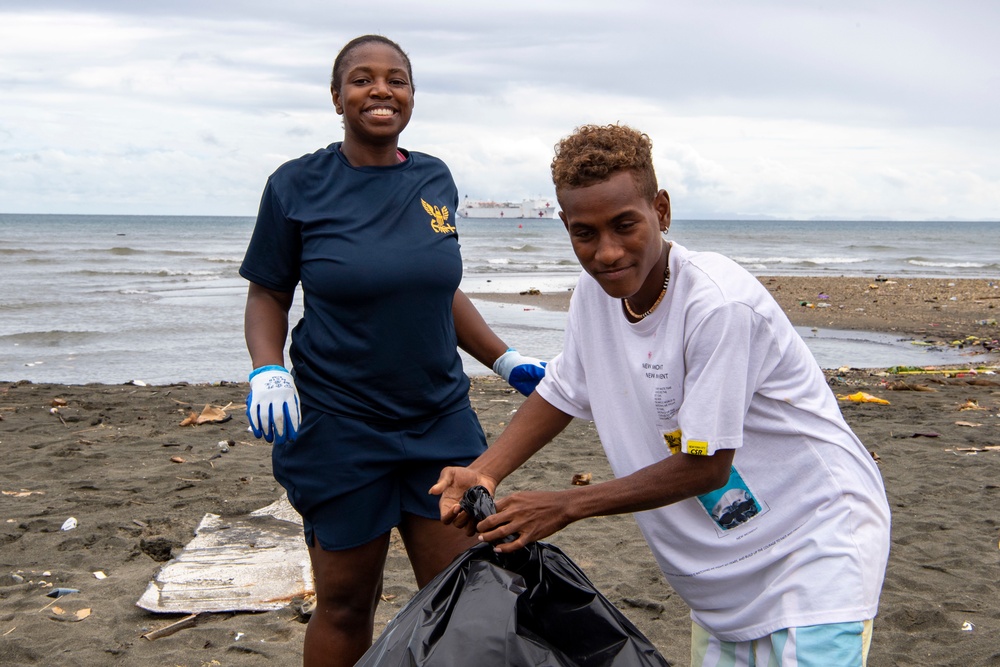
615, 234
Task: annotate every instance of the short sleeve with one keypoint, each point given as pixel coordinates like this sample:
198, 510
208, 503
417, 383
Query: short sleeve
565, 383
274, 254
724, 358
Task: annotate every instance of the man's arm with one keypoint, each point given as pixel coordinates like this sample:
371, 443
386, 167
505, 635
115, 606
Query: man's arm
534, 425
534, 515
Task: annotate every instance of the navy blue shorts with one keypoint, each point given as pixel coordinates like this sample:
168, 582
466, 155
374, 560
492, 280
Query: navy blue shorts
352, 480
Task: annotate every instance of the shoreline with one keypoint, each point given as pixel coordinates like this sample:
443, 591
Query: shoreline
899, 311
956, 312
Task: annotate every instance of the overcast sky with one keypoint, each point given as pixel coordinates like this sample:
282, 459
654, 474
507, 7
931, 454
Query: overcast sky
839, 109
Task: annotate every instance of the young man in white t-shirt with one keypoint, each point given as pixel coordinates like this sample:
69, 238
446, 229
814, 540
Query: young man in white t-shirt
763, 509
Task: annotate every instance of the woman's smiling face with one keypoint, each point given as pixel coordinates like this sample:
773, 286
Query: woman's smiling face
375, 95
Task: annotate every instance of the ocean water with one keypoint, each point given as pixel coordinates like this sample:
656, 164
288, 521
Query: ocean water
159, 299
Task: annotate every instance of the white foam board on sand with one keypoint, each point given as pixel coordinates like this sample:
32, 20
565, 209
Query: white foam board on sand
256, 563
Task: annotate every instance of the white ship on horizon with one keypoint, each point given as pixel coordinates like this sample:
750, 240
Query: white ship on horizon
526, 209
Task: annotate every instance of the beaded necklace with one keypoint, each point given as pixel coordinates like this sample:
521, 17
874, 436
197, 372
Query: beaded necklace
663, 292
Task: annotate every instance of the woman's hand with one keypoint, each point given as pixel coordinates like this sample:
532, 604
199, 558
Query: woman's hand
521, 372
273, 405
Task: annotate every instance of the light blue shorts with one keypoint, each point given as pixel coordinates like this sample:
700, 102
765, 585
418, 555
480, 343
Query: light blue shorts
830, 645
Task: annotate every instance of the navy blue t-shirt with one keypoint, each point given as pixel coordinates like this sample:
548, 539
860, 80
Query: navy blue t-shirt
376, 251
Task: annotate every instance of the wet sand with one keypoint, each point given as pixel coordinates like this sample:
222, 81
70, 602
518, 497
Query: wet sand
108, 457
937, 310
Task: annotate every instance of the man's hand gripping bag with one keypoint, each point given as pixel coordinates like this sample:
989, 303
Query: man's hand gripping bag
532, 607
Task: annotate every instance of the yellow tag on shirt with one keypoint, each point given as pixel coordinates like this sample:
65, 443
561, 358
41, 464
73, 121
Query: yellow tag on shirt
673, 440
697, 447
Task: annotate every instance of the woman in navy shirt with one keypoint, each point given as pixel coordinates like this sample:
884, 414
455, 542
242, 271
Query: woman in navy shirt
368, 230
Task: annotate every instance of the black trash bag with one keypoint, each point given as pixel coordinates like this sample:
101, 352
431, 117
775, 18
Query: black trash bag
533, 607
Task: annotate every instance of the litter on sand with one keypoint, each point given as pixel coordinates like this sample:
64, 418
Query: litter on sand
60, 614
899, 385
210, 414
166, 631
59, 592
975, 450
257, 563
862, 397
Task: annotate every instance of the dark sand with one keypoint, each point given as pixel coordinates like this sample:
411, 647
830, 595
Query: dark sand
105, 459
949, 311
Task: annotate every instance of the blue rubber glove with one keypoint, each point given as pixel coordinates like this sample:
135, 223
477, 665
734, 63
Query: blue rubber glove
273, 405
522, 373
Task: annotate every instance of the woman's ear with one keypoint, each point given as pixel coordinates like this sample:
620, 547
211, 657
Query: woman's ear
336, 101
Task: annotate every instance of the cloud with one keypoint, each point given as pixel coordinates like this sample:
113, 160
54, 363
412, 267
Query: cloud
773, 108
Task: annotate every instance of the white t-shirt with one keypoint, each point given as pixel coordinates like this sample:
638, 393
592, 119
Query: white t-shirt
800, 535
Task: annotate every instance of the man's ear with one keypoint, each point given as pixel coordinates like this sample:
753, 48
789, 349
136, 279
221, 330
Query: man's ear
562, 216
336, 101
661, 203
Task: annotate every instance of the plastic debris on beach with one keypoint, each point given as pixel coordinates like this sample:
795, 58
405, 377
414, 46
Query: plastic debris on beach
898, 370
59, 592
257, 563
210, 414
899, 385
60, 614
69, 524
862, 397
581, 479
968, 451
22, 493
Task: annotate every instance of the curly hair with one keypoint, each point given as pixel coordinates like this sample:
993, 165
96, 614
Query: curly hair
340, 62
594, 153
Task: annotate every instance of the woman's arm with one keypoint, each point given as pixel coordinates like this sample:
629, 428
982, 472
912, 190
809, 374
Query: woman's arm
474, 335
265, 325
273, 402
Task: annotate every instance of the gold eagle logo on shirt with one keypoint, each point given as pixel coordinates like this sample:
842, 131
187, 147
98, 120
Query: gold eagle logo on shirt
439, 218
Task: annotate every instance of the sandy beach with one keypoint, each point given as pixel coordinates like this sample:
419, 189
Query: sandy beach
118, 460
959, 311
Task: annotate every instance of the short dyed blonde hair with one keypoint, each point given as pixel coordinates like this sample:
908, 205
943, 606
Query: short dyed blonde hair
594, 153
